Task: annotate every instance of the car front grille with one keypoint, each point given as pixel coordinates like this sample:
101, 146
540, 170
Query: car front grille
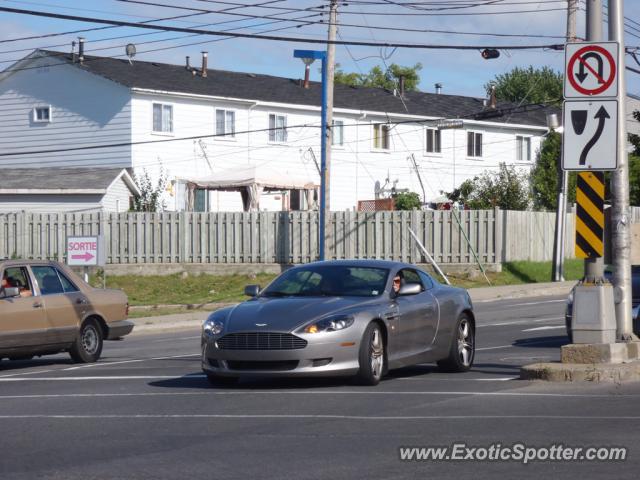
281, 365
261, 341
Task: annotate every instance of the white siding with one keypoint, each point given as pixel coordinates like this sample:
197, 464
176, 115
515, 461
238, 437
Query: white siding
50, 203
86, 110
117, 197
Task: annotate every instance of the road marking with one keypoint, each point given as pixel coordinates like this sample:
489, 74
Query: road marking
210, 392
103, 364
535, 303
549, 327
318, 416
520, 322
522, 344
79, 379
174, 339
499, 379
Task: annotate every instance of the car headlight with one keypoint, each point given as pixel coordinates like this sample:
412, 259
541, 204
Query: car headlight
212, 326
329, 324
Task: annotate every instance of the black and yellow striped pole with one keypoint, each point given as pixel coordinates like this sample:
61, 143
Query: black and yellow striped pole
590, 215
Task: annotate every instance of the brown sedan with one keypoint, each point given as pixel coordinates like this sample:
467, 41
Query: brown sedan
45, 308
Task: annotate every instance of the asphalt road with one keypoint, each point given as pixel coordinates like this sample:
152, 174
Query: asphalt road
146, 411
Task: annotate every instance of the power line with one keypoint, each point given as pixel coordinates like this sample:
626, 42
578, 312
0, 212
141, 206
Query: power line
350, 25
274, 37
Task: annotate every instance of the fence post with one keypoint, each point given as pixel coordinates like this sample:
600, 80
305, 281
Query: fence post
498, 225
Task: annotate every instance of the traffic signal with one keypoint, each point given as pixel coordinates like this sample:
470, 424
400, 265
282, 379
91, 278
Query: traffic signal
489, 53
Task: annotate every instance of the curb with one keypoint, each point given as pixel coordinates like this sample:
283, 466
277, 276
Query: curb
582, 372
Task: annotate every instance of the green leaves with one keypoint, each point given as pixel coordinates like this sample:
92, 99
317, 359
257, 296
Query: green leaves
379, 78
529, 85
407, 201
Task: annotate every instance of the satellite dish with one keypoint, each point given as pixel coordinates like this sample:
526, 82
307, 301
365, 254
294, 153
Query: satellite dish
130, 50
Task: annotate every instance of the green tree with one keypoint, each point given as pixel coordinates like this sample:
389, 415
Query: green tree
507, 189
407, 201
530, 85
379, 78
150, 198
634, 166
544, 175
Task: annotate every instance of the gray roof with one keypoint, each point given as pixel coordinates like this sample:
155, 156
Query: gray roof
74, 180
267, 88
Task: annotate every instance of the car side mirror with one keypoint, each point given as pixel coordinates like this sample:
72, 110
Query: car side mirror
252, 290
9, 292
410, 289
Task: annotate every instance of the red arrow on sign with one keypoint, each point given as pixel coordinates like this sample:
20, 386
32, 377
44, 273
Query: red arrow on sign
85, 256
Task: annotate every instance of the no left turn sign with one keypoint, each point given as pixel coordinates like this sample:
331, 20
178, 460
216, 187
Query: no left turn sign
591, 70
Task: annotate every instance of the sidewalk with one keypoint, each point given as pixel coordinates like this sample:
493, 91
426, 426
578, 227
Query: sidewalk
193, 320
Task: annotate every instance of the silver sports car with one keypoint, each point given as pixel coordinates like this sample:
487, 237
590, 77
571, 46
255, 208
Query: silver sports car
349, 317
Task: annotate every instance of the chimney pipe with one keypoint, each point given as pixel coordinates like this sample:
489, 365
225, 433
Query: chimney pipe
493, 101
187, 64
438, 88
401, 85
73, 51
81, 49
204, 64
307, 68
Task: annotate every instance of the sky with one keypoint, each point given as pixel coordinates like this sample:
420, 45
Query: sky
461, 72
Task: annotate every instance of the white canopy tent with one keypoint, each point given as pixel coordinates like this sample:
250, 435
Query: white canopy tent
251, 182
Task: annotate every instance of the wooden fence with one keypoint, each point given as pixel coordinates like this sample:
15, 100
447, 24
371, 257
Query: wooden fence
289, 237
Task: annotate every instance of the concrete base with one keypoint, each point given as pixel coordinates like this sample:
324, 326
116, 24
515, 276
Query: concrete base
596, 353
561, 372
593, 319
610, 362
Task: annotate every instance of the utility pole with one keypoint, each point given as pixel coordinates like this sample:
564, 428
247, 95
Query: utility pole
620, 218
563, 177
594, 267
325, 189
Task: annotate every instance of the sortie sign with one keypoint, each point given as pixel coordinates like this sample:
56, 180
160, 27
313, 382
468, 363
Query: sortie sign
85, 251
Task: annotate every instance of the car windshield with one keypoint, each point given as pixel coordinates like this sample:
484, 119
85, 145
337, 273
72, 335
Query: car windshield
329, 280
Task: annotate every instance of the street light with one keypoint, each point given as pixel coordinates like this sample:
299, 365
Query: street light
561, 211
308, 57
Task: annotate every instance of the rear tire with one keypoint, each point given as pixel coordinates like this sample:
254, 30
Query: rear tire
219, 381
88, 345
463, 347
372, 356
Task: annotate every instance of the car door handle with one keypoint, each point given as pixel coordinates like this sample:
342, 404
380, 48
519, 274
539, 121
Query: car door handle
389, 316
37, 305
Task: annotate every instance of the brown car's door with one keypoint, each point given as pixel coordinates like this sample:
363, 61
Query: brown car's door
64, 303
23, 321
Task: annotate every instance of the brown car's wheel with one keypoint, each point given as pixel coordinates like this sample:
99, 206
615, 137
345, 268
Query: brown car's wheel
88, 345
372, 358
463, 347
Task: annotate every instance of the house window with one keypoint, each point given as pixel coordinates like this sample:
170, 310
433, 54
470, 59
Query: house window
523, 148
226, 123
42, 114
381, 136
474, 144
201, 200
337, 137
277, 128
433, 141
162, 118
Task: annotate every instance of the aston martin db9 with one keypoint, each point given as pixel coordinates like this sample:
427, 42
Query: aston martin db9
357, 318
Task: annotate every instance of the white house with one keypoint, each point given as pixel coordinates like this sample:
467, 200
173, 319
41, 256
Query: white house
194, 124
66, 190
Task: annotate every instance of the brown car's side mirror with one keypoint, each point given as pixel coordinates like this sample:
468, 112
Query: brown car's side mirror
9, 292
252, 290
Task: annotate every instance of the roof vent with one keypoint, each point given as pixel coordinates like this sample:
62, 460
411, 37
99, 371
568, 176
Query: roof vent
204, 64
81, 50
438, 88
187, 64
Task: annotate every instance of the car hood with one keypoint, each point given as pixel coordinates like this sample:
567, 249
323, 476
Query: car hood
286, 314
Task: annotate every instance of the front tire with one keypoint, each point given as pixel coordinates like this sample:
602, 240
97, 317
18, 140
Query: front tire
371, 357
463, 347
88, 345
